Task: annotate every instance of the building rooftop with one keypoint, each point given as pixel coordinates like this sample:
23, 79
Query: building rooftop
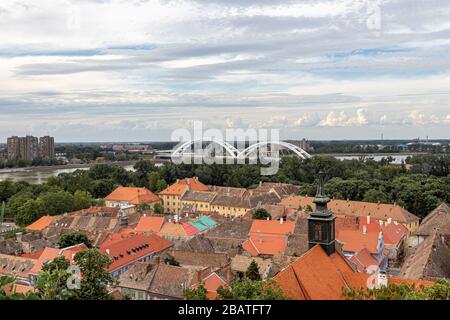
149, 224
200, 259
430, 260
159, 279
133, 195
40, 224
133, 248
183, 185
437, 220
379, 211
49, 254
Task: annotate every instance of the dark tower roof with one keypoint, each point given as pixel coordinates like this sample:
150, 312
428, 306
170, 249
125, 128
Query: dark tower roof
321, 227
321, 200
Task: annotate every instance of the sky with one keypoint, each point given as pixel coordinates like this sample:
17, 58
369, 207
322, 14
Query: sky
136, 70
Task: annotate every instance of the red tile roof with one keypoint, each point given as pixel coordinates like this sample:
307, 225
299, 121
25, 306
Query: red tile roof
265, 245
40, 224
133, 195
379, 211
355, 241
150, 224
33, 255
180, 186
271, 227
49, 254
317, 276
314, 276
133, 248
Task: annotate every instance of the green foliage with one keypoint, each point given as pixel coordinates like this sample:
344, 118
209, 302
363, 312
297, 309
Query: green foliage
261, 214
51, 282
247, 289
374, 195
95, 275
199, 293
158, 208
253, 271
155, 182
440, 290
73, 238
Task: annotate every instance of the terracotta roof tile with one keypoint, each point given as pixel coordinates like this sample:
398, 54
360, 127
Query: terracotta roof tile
133, 195
133, 248
40, 224
179, 187
379, 211
150, 224
272, 227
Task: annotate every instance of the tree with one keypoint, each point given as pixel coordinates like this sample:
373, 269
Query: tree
29, 212
73, 238
440, 290
158, 208
95, 276
82, 200
374, 195
247, 289
171, 261
51, 282
57, 202
261, 214
199, 293
155, 182
253, 271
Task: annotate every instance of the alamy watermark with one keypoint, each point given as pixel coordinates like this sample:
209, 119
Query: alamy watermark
234, 146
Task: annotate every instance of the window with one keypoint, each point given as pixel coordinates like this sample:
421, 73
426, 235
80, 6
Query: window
317, 232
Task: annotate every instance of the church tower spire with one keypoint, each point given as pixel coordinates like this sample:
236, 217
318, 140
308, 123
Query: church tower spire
321, 226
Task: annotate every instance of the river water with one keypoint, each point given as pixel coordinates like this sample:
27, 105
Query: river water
40, 175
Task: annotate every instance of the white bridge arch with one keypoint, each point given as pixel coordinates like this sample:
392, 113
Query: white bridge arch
297, 150
235, 153
231, 150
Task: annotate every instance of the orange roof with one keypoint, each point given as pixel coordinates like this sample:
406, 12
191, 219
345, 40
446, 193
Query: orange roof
20, 288
355, 241
49, 254
257, 245
133, 248
40, 224
149, 224
211, 284
379, 211
364, 259
314, 276
392, 233
182, 185
133, 195
273, 227
172, 229
33, 255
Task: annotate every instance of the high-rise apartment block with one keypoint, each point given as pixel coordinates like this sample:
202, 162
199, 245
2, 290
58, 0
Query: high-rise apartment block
29, 147
47, 147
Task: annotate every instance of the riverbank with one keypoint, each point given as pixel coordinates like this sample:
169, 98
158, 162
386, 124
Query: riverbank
37, 175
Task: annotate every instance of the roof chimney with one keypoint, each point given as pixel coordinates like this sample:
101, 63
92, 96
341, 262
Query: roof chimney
382, 280
107, 251
389, 220
281, 221
364, 229
368, 219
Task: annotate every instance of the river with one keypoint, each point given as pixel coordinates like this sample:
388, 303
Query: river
39, 175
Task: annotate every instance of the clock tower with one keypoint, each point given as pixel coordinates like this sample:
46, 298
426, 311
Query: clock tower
321, 221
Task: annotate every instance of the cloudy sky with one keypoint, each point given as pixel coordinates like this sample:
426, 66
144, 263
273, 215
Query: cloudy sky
116, 70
